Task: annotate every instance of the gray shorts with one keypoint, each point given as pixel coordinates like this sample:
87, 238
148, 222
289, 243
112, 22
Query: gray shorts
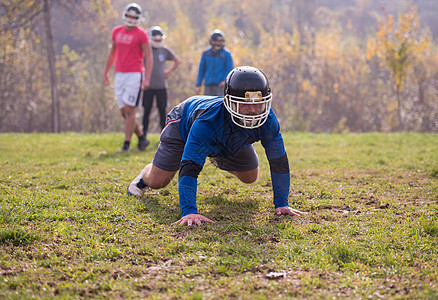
170, 150
214, 90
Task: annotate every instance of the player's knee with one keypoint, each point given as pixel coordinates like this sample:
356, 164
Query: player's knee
249, 180
248, 176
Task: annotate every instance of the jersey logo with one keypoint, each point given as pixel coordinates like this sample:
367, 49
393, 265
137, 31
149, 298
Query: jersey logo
124, 38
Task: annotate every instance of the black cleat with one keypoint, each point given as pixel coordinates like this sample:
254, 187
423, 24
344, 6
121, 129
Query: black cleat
143, 142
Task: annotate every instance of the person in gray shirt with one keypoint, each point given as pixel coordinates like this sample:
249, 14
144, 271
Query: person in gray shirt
158, 82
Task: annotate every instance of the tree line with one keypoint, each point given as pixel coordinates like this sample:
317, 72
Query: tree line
333, 75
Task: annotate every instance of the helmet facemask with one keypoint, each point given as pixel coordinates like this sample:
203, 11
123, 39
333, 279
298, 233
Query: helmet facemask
218, 44
157, 41
250, 111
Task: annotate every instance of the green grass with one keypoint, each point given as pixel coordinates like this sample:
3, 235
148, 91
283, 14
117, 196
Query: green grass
68, 229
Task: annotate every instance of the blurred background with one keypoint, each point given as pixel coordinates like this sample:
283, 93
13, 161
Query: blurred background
333, 65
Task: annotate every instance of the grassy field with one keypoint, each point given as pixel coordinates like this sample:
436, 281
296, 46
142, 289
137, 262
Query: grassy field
69, 230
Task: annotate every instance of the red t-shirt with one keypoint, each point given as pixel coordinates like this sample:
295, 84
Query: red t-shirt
129, 54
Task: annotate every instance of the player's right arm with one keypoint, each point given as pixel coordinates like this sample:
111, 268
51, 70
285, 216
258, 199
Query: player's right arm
187, 188
195, 153
273, 143
201, 72
109, 62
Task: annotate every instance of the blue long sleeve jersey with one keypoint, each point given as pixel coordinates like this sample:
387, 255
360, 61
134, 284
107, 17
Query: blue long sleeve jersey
208, 131
214, 67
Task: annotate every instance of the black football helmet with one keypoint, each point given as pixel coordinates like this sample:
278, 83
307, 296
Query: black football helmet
243, 86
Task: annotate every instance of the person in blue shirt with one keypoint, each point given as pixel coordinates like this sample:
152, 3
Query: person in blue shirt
214, 66
224, 129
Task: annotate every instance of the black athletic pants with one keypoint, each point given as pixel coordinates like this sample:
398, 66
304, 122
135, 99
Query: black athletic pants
148, 99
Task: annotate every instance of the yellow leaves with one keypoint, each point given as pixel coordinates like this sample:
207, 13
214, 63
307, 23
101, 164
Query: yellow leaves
308, 88
27, 3
327, 44
306, 85
371, 51
385, 28
69, 54
313, 92
398, 46
390, 21
408, 22
336, 88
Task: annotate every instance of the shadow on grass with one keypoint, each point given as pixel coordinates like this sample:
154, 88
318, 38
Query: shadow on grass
17, 237
163, 207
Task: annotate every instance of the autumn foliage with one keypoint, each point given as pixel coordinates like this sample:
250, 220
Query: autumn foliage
325, 78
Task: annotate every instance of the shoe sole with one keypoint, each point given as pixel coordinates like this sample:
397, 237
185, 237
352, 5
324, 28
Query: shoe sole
131, 194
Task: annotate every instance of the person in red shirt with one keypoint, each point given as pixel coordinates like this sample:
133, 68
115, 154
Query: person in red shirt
129, 46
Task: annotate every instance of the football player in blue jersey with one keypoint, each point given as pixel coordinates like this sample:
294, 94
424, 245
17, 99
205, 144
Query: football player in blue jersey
224, 129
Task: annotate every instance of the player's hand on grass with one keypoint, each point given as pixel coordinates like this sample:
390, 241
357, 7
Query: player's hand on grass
286, 210
193, 218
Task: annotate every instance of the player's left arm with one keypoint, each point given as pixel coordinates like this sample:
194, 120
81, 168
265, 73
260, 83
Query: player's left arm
229, 65
280, 176
273, 143
174, 65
